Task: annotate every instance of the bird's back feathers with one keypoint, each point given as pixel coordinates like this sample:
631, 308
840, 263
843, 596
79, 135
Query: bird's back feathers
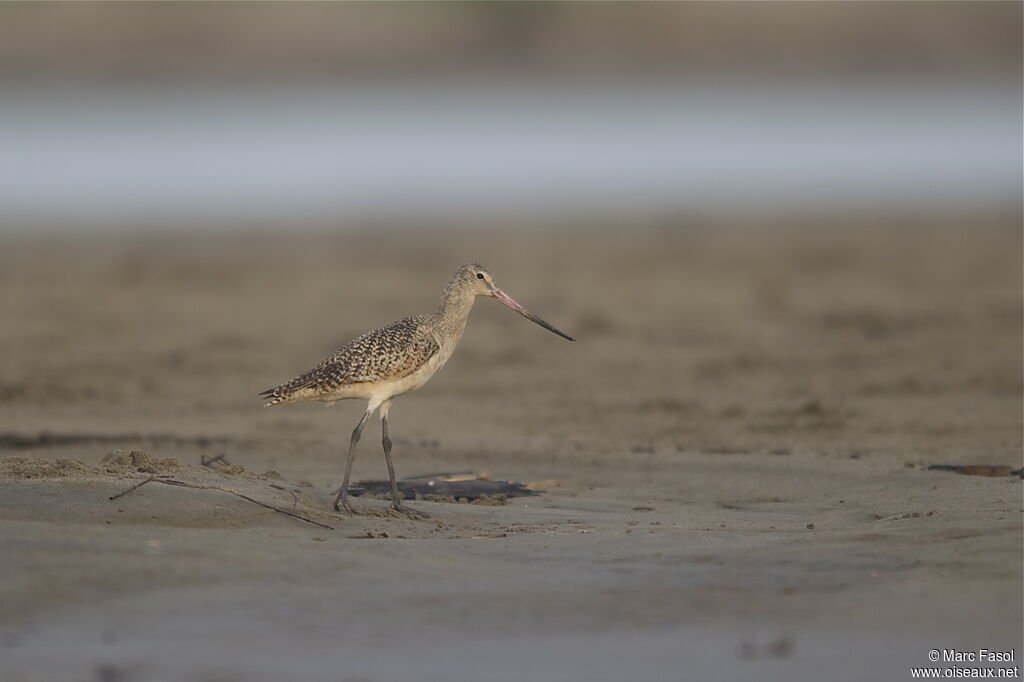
384, 354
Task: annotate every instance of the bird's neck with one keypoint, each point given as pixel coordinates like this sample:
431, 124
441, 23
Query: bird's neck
453, 310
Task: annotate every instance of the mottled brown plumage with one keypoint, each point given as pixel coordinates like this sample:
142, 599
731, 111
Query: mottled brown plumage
391, 352
387, 362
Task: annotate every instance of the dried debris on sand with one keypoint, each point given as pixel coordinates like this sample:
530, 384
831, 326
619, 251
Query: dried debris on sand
266, 490
216, 473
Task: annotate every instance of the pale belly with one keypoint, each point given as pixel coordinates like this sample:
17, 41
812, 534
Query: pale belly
379, 391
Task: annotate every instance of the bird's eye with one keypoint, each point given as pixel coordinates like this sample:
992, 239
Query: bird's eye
479, 275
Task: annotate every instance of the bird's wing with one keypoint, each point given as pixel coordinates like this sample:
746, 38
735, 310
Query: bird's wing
383, 354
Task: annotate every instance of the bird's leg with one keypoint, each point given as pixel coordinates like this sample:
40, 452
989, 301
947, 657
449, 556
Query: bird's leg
341, 499
396, 498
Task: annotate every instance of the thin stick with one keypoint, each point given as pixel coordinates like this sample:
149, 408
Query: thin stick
134, 487
182, 484
210, 461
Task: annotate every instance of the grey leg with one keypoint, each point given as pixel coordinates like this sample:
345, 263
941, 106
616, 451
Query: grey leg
396, 498
341, 499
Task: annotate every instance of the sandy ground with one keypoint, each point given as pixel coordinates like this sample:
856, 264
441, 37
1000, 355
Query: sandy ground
734, 452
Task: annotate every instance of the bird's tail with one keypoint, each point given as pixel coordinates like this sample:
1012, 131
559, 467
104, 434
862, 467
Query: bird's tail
289, 390
274, 396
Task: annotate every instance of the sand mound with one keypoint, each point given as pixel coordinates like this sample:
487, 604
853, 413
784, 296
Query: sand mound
139, 460
32, 467
117, 462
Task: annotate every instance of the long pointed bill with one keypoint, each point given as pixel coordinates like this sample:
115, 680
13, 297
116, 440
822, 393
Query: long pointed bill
511, 303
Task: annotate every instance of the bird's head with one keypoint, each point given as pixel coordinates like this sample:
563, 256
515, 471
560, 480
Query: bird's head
478, 281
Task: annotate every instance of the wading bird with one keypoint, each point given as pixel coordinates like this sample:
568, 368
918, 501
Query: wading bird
387, 362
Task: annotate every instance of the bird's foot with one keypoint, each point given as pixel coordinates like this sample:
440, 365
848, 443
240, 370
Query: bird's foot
341, 504
409, 512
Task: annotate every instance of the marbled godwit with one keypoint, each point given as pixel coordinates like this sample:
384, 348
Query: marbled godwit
387, 362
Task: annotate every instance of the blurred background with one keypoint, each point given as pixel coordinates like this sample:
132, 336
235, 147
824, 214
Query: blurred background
723, 199
176, 114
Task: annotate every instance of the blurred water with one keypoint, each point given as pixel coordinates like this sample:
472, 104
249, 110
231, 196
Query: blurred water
158, 155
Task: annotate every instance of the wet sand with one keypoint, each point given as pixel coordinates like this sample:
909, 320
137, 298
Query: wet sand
734, 454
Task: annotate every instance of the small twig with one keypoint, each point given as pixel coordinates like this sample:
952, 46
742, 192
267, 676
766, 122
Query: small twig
182, 484
210, 461
440, 474
134, 487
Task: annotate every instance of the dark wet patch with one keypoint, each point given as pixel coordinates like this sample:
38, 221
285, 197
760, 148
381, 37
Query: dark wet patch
990, 470
440, 490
